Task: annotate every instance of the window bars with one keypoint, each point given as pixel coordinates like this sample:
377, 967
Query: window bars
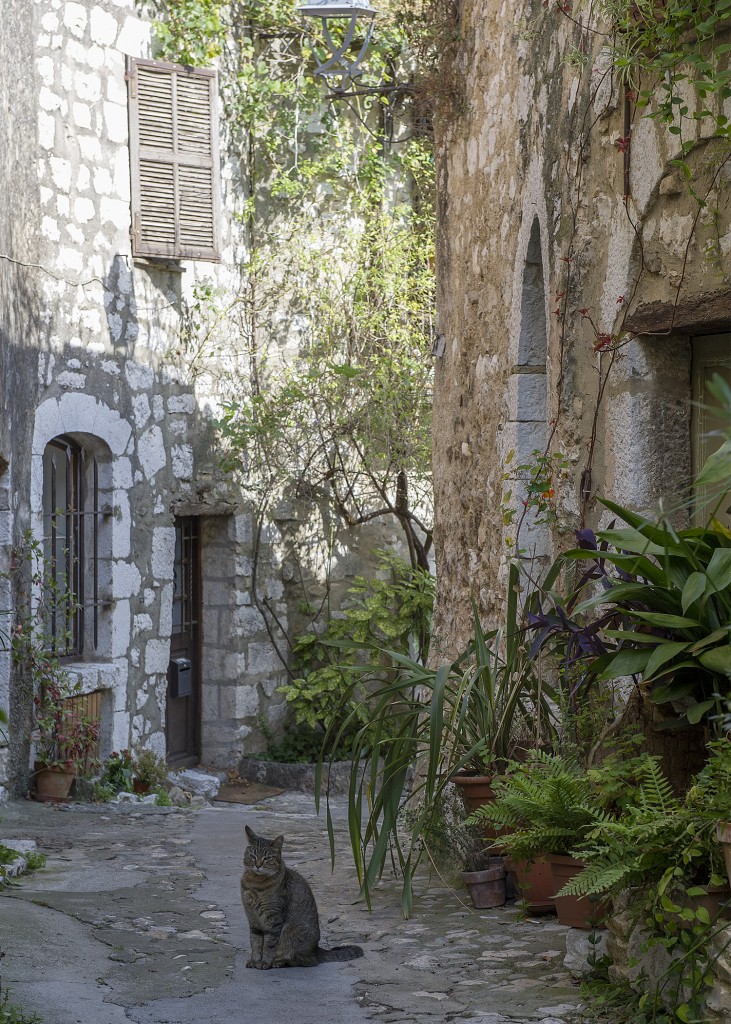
71, 528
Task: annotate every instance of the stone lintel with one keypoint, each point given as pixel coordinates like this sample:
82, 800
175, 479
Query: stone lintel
705, 313
188, 507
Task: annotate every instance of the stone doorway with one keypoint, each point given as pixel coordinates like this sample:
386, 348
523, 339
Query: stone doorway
183, 703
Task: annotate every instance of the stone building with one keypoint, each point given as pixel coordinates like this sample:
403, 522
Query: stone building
584, 293
117, 205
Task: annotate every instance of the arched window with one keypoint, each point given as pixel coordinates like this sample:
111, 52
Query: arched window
529, 401
72, 524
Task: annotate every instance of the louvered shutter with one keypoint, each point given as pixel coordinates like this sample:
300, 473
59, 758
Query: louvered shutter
174, 161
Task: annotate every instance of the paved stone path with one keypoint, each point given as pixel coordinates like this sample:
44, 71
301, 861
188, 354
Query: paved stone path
136, 919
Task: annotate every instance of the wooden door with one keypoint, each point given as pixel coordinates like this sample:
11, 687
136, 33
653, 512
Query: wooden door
183, 712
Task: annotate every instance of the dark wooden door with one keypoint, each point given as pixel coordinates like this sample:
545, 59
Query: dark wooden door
183, 712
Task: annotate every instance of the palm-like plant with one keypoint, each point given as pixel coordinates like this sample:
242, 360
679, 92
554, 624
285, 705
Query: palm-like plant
652, 602
465, 713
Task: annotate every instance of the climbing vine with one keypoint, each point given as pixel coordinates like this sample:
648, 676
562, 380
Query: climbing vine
668, 60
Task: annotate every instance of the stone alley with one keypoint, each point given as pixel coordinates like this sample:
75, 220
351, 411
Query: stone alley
136, 918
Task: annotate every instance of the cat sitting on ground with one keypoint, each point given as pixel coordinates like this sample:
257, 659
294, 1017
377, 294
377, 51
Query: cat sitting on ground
282, 913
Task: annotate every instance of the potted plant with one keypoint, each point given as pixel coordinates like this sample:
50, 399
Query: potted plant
484, 879
464, 714
548, 805
65, 739
119, 770
150, 772
662, 845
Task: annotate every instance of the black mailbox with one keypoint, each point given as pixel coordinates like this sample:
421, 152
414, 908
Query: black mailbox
181, 677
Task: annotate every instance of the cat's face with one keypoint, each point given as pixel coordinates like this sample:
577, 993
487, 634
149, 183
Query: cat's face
263, 856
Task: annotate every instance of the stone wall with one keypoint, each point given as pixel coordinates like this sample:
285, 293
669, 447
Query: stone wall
533, 228
645, 968
93, 347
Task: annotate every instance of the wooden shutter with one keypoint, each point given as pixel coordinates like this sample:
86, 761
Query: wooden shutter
176, 200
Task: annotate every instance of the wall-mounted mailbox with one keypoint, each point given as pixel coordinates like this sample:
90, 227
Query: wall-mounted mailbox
180, 673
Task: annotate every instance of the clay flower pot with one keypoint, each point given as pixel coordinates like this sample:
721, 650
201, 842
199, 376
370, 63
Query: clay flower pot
53, 784
534, 882
475, 790
138, 786
487, 887
574, 911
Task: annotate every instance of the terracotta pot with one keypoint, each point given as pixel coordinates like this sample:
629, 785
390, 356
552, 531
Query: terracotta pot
723, 833
138, 786
716, 900
53, 784
574, 911
486, 888
476, 790
534, 882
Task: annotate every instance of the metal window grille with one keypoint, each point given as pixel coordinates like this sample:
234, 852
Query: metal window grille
185, 570
71, 527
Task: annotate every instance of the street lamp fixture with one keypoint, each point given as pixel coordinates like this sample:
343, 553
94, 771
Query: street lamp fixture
346, 27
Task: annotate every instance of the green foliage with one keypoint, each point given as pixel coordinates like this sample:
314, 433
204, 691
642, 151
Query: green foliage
470, 711
550, 803
393, 611
666, 615
340, 230
660, 841
162, 798
7, 855
675, 44
192, 32
34, 860
299, 744
63, 735
538, 477
151, 769
657, 845
118, 771
10, 1013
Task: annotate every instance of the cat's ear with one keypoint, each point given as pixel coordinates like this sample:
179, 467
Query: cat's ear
278, 842
251, 835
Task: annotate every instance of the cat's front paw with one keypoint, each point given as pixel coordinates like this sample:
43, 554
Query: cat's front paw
253, 963
265, 965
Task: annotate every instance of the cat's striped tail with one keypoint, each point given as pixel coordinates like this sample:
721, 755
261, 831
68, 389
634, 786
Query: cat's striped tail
338, 953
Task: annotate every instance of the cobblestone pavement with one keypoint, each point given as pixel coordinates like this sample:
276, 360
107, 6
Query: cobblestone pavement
136, 919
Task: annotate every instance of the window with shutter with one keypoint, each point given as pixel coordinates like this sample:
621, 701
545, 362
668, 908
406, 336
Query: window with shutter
174, 161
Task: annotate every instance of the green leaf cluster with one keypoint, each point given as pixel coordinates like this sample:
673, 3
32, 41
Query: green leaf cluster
330, 688
472, 711
676, 44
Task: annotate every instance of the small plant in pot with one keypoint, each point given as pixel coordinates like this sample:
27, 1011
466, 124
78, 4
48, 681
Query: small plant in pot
484, 878
150, 772
118, 773
66, 740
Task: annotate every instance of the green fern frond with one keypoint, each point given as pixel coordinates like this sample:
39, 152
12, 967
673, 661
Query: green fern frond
597, 878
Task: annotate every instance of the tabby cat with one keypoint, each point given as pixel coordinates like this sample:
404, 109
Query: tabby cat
282, 913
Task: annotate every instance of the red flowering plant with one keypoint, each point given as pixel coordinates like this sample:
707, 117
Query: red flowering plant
64, 735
